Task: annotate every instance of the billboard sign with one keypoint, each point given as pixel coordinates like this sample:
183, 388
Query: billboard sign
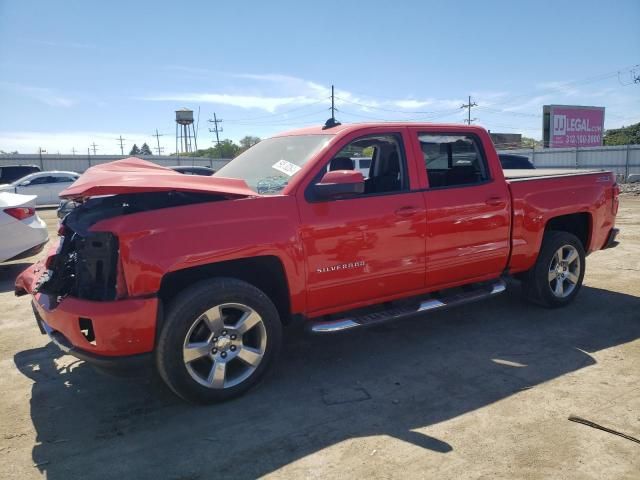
573, 126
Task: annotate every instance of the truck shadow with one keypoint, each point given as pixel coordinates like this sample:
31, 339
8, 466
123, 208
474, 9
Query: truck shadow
8, 274
394, 380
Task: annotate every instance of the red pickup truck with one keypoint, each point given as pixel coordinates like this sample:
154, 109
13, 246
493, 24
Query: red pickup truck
198, 275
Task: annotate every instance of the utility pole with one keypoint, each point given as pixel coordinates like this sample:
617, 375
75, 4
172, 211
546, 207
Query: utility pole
121, 140
93, 147
215, 128
333, 106
159, 149
469, 106
40, 150
332, 122
73, 151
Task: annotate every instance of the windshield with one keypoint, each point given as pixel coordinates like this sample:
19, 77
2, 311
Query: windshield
268, 166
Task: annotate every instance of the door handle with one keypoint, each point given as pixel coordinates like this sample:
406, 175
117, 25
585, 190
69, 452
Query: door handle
407, 211
495, 201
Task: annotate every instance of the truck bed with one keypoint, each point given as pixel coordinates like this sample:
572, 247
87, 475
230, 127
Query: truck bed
542, 194
528, 174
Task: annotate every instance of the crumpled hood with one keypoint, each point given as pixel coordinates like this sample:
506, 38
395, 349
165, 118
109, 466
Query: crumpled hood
134, 175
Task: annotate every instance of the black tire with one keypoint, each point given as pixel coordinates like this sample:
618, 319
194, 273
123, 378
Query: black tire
190, 305
536, 286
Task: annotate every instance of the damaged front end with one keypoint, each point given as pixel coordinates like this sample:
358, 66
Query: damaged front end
86, 263
85, 267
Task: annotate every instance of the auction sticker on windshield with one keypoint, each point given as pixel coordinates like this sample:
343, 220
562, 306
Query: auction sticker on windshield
286, 167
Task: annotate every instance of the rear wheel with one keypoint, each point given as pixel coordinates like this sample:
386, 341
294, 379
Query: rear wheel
218, 340
557, 276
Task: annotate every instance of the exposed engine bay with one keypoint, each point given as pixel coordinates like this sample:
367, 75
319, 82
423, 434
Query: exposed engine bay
86, 263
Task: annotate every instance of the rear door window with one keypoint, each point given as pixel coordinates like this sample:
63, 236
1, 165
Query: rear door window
453, 160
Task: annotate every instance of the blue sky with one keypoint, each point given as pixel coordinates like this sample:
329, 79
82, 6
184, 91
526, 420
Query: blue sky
75, 72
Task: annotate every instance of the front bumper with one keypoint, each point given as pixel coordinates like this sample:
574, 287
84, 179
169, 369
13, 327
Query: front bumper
99, 332
128, 363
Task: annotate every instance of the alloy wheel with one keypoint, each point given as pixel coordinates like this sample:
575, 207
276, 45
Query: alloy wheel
224, 345
564, 271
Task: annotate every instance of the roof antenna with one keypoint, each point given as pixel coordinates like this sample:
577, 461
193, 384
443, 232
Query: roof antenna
332, 122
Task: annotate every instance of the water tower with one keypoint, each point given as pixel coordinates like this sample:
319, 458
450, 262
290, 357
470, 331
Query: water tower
185, 131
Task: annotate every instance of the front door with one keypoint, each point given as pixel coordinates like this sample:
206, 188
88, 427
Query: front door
371, 246
40, 186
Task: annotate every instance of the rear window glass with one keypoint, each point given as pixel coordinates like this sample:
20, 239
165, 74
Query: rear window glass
453, 160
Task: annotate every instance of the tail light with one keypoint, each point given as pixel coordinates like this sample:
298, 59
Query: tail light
616, 202
20, 213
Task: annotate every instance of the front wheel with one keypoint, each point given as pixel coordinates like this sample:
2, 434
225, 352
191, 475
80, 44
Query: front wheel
218, 340
556, 277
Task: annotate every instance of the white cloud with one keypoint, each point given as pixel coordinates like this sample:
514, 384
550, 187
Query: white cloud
44, 95
269, 104
272, 91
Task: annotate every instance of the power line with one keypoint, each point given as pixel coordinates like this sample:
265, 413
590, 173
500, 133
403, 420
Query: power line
509, 112
270, 115
595, 78
444, 113
374, 107
94, 147
469, 106
267, 123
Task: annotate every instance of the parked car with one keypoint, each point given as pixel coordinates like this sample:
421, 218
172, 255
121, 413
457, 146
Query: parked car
199, 276
45, 185
510, 161
22, 232
363, 164
193, 170
11, 173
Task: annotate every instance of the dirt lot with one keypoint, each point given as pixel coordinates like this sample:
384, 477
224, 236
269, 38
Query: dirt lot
482, 391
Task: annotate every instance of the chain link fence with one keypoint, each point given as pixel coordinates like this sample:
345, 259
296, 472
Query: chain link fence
623, 160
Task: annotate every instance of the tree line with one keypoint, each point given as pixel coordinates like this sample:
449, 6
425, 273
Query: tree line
144, 150
623, 136
227, 148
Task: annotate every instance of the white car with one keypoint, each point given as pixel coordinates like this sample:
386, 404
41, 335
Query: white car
22, 232
363, 164
45, 185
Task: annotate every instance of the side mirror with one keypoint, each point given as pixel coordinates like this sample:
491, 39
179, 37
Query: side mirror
338, 183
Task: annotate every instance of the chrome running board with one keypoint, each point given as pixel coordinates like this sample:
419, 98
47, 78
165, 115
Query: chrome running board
483, 291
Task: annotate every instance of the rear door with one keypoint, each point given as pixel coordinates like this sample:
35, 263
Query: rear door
368, 247
467, 201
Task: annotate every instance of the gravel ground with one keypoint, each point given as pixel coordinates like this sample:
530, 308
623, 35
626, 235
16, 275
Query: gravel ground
630, 188
481, 391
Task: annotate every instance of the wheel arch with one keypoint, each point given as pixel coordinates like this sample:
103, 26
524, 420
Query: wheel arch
266, 273
578, 224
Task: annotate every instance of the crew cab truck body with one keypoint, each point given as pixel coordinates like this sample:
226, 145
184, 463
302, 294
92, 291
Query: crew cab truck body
199, 274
